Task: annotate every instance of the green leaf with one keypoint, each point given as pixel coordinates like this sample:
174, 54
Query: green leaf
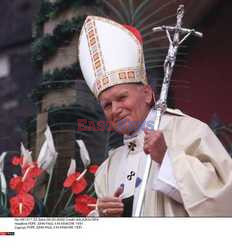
66, 73
45, 47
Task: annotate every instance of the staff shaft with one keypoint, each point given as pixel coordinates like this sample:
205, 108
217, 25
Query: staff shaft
161, 104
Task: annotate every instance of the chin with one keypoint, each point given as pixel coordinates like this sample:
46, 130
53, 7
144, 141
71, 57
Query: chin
125, 130
126, 126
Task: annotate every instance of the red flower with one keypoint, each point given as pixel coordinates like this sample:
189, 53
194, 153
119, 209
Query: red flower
19, 185
22, 205
81, 204
25, 167
93, 169
77, 185
16, 160
32, 170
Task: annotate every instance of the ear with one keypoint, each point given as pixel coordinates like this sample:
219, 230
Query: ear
149, 95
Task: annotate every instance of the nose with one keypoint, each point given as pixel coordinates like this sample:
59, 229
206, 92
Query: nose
116, 108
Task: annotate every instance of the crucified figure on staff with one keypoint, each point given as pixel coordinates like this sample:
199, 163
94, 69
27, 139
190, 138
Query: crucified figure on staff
175, 42
161, 104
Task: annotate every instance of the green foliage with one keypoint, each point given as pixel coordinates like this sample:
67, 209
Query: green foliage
45, 47
56, 79
67, 73
42, 49
50, 10
45, 11
67, 29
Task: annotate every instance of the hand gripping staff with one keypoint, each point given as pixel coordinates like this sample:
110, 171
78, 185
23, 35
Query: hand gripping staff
161, 104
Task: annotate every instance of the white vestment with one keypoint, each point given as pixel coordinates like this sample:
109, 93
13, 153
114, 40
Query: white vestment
197, 182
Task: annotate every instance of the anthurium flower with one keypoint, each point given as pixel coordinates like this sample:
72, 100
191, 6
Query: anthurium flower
93, 169
26, 155
76, 182
72, 167
3, 185
22, 205
47, 155
16, 160
35, 172
83, 153
82, 202
19, 184
31, 170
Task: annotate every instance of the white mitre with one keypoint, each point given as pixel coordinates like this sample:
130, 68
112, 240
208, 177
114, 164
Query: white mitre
110, 54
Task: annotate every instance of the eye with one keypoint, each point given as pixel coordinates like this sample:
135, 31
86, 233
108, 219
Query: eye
106, 106
122, 97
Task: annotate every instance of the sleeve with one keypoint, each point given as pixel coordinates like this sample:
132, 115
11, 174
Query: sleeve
202, 170
165, 181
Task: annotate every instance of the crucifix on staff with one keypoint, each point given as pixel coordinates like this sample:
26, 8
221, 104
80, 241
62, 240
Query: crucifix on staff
177, 166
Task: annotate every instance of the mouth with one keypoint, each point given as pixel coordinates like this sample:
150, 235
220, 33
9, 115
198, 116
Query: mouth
121, 119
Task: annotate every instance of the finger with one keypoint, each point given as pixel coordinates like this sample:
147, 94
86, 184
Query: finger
147, 140
110, 205
109, 199
149, 135
112, 212
146, 150
146, 137
148, 132
119, 191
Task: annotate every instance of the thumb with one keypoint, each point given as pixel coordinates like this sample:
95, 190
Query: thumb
119, 191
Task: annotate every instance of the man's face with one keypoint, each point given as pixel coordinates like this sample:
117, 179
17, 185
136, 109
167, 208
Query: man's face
126, 106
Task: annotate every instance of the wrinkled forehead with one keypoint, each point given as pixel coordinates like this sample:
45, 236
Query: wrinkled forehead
117, 90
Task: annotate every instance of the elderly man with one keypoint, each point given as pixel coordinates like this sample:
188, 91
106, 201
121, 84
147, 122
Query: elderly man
191, 172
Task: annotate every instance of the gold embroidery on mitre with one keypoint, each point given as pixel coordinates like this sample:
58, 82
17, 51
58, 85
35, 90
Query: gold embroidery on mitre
122, 75
112, 78
131, 74
94, 48
103, 79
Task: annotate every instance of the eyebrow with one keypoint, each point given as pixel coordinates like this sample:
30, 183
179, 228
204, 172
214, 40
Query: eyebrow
103, 103
123, 92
